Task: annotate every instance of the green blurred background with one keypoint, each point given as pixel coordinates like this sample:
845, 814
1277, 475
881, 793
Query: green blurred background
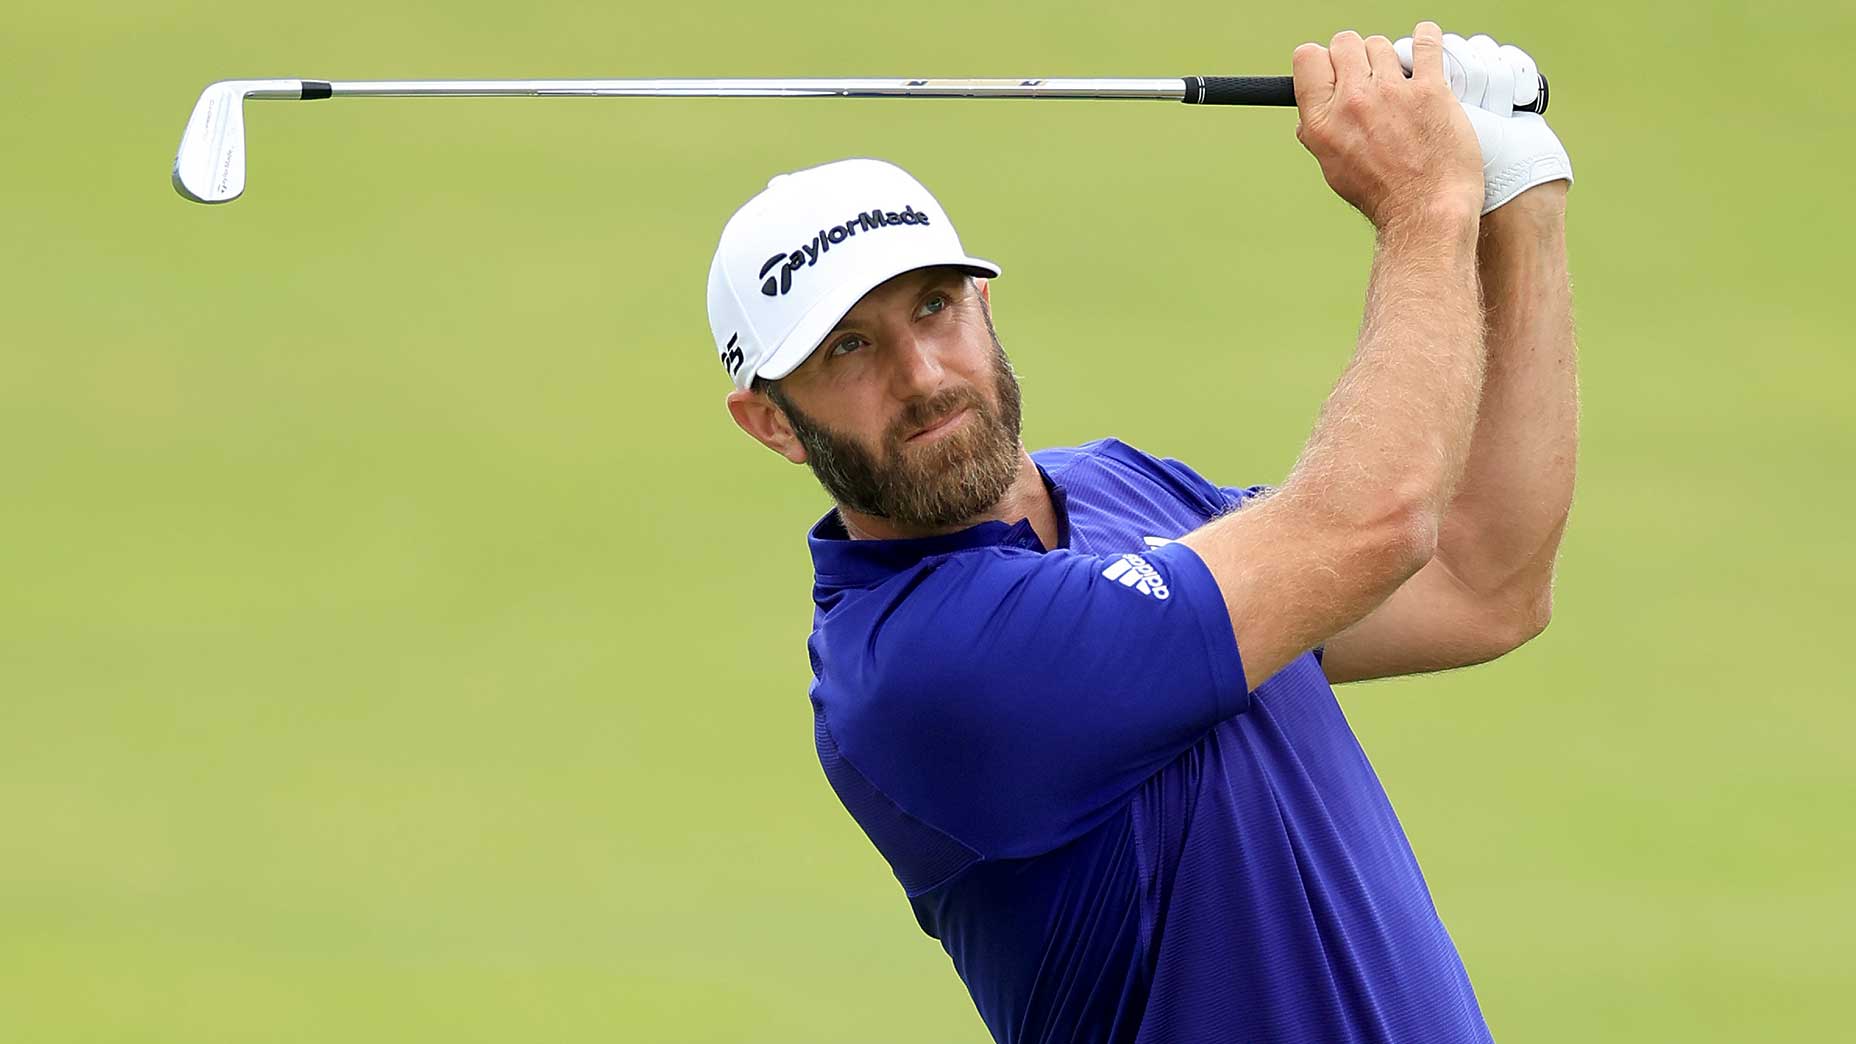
397, 641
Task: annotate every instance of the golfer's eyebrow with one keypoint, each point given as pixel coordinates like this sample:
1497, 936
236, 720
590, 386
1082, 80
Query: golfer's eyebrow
843, 324
939, 282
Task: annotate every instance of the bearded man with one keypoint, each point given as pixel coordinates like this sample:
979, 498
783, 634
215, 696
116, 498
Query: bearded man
1080, 699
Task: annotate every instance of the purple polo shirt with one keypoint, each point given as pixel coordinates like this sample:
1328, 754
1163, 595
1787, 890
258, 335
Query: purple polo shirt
1115, 836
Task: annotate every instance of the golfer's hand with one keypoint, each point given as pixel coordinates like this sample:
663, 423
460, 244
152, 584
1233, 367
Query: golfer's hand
1493, 81
1394, 148
1483, 74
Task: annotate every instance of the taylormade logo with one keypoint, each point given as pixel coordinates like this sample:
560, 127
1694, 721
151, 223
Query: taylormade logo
780, 282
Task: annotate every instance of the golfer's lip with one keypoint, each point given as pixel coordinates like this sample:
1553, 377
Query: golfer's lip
941, 425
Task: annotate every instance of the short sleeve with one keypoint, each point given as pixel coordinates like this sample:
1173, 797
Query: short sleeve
1237, 496
1015, 698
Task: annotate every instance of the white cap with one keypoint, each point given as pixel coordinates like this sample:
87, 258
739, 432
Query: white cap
794, 259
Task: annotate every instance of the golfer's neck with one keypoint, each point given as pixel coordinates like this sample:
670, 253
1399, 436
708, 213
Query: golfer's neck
1026, 498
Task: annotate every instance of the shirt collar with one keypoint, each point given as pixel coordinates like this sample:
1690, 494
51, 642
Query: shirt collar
839, 561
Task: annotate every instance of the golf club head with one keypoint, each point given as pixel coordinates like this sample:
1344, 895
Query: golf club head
210, 164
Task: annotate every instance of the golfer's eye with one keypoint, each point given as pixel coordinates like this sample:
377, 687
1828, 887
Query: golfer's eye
935, 304
847, 345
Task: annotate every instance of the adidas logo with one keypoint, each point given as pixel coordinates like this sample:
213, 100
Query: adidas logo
1133, 571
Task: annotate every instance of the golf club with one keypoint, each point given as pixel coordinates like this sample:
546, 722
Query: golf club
210, 165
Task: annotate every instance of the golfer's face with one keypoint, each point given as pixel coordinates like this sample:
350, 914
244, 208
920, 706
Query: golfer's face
902, 371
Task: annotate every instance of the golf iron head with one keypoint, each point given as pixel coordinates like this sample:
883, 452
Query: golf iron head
209, 167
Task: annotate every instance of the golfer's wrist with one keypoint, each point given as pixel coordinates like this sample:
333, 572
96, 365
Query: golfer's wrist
1545, 201
1536, 211
1448, 216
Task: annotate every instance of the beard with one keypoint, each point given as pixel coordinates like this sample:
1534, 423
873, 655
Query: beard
935, 486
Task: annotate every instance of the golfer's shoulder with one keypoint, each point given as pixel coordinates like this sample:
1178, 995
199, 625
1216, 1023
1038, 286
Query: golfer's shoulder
926, 594
955, 623
1108, 452
1109, 467
923, 591
972, 618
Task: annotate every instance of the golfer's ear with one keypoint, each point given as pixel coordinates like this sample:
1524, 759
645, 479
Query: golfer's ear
756, 414
985, 286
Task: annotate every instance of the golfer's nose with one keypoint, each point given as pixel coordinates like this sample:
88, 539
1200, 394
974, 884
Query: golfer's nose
915, 370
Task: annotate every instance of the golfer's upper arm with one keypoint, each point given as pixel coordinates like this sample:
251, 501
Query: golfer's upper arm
1293, 575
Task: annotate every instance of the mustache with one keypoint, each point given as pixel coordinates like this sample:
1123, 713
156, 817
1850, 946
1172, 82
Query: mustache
932, 410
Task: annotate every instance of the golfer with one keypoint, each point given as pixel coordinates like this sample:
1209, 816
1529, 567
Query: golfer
1080, 699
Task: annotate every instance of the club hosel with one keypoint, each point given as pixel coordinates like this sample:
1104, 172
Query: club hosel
265, 90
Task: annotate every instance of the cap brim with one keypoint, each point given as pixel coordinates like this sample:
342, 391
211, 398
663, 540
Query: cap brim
816, 323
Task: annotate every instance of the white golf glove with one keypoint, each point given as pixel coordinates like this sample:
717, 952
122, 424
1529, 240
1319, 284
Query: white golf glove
1491, 80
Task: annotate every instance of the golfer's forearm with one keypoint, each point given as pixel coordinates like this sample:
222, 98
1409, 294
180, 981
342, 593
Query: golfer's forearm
1394, 433
1360, 512
1503, 530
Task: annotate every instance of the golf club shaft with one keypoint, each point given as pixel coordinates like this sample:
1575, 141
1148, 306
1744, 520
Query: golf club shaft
1193, 90
1231, 90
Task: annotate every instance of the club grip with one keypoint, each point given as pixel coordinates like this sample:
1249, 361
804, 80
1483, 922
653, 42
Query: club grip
1240, 90
1276, 90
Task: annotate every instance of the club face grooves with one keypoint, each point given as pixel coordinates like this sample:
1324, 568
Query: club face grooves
209, 166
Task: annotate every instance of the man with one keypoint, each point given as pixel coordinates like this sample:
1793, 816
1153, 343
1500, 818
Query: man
1080, 699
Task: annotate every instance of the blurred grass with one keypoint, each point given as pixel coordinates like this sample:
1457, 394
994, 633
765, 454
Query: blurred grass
399, 643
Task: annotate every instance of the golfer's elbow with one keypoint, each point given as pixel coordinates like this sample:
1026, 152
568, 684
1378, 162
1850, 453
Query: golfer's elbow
1521, 617
1393, 542
1381, 525
1521, 604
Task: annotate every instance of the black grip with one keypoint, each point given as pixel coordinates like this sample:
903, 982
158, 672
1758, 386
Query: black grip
1275, 90
316, 90
1240, 90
